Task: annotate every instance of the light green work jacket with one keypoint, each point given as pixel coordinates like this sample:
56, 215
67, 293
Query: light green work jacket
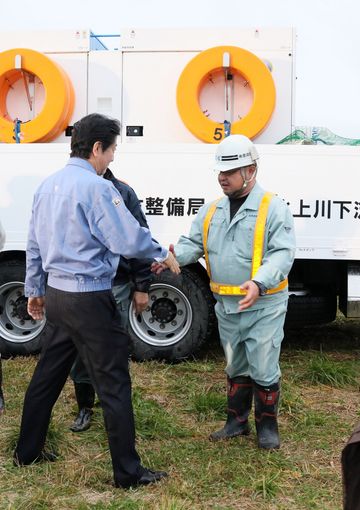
230, 247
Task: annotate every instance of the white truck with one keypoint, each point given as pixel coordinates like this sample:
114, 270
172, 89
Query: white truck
177, 93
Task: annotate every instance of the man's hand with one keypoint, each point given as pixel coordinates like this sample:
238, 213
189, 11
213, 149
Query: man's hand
158, 267
252, 293
172, 263
36, 308
140, 301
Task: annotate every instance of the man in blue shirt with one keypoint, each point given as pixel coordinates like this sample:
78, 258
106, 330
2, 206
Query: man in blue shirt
78, 230
132, 279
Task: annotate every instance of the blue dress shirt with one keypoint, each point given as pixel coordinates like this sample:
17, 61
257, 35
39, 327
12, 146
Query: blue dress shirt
79, 228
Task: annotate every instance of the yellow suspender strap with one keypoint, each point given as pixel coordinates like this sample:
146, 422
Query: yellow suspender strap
259, 236
206, 225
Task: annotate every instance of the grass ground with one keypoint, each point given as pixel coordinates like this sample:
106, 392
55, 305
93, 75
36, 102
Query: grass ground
176, 407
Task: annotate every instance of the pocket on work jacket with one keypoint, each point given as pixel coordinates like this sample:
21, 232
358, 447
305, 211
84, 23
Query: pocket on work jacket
216, 234
243, 236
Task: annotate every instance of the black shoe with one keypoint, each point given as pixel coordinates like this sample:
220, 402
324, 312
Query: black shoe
146, 478
150, 476
82, 421
45, 456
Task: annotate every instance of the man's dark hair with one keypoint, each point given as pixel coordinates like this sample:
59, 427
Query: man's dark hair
91, 129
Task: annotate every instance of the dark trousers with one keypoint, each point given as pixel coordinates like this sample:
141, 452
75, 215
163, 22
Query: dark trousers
87, 323
121, 293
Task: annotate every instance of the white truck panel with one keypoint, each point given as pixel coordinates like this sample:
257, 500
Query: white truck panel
326, 209
23, 168
197, 39
76, 67
104, 83
154, 60
47, 41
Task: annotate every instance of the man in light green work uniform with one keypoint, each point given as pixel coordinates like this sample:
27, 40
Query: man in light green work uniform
247, 238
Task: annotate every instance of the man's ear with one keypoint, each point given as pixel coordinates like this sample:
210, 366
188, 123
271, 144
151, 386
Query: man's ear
96, 148
252, 169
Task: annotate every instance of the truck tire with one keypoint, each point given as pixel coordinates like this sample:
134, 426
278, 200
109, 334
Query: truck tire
311, 309
19, 333
180, 318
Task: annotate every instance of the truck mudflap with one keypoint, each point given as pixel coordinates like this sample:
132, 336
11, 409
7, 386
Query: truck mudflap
350, 298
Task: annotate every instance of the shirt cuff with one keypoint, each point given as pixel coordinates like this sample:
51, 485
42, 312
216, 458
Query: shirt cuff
262, 288
143, 286
163, 257
33, 293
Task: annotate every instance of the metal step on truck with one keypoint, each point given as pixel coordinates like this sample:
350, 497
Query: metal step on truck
177, 94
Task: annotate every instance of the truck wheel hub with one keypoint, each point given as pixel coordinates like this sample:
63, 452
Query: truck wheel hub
16, 325
163, 310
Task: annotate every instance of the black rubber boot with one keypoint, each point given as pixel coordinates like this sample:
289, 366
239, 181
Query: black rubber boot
239, 396
266, 409
85, 396
2, 400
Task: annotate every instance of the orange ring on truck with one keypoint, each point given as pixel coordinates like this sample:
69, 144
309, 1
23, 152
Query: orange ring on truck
59, 96
196, 73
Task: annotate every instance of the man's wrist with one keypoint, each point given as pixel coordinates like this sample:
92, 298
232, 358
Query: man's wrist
261, 287
143, 286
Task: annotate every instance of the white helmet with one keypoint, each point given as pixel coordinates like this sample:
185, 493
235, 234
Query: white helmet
235, 151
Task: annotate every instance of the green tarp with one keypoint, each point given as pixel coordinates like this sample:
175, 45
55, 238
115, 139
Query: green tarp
314, 135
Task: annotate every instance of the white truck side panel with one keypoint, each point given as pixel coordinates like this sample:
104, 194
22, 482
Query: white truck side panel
76, 67
326, 209
47, 41
23, 168
197, 39
173, 180
104, 83
154, 60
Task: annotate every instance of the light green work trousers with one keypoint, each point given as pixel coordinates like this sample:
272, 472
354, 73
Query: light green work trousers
252, 341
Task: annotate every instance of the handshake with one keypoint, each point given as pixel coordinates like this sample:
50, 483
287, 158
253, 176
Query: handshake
169, 263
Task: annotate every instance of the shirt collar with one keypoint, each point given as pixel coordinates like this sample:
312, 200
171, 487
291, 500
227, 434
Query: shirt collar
252, 201
83, 163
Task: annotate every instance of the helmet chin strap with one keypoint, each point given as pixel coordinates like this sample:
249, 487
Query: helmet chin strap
246, 181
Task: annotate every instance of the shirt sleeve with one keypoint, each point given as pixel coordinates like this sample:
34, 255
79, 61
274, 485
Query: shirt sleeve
35, 275
190, 248
280, 250
112, 223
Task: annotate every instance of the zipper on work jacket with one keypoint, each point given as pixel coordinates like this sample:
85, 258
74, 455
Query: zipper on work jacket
258, 245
